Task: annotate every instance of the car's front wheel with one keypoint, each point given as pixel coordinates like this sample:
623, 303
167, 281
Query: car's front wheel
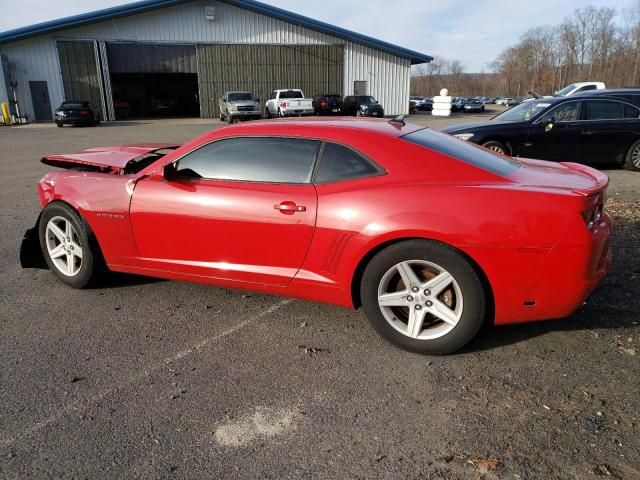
66, 245
632, 162
423, 296
496, 147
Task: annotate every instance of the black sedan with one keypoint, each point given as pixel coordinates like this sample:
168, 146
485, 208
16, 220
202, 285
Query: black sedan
584, 129
327, 104
76, 113
362, 106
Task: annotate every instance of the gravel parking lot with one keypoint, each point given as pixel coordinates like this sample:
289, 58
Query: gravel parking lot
142, 378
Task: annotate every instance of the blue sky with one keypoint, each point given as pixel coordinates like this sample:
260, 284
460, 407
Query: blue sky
472, 31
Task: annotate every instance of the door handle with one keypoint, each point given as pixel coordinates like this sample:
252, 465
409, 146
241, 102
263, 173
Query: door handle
289, 207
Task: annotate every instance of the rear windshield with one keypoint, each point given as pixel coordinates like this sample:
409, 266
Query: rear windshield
291, 94
464, 151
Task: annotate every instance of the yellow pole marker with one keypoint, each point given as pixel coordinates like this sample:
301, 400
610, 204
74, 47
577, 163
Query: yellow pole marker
5, 113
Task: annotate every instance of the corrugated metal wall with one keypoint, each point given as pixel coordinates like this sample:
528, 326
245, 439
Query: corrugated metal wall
262, 68
387, 75
79, 71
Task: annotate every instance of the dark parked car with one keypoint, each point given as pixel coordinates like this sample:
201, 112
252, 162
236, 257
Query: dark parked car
424, 104
362, 106
473, 105
457, 104
327, 104
589, 129
512, 102
76, 113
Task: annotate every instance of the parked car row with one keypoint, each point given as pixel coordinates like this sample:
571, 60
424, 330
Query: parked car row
242, 105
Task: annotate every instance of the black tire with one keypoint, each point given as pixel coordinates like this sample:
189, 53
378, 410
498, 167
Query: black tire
92, 263
222, 118
631, 163
473, 293
494, 146
267, 113
59, 124
230, 119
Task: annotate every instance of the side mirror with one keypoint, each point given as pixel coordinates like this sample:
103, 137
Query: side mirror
547, 122
170, 171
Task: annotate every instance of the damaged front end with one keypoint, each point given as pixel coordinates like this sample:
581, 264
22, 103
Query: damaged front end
30, 251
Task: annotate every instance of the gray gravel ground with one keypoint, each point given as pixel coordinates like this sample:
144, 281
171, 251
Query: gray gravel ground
141, 378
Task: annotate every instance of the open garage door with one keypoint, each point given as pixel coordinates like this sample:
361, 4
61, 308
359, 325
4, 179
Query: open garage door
153, 80
263, 68
81, 73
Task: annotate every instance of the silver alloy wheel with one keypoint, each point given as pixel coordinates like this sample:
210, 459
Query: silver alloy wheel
420, 299
63, 246
496, 149
635, 156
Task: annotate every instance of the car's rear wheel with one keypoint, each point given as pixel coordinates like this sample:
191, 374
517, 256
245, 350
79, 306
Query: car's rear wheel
66, 246
497, 147
423, 296
632, 162
59, 124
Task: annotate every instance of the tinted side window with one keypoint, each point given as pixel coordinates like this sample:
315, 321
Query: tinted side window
586, 88
464, 151
631, 112
567, 112
276, 160
604, 110
342, 163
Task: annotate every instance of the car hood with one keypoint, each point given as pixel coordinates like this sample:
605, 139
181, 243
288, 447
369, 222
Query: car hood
243, 103
106, 159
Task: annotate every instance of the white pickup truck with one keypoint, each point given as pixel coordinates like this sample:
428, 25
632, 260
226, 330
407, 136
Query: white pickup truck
286, 103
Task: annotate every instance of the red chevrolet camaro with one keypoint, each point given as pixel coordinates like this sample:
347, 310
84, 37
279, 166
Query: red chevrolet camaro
431, 235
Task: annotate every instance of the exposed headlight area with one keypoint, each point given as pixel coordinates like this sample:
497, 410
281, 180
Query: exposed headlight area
464, 136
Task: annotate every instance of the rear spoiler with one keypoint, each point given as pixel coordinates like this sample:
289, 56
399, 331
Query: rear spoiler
601, 180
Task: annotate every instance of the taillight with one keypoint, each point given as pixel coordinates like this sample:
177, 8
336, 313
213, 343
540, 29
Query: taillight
84, 113
324, 104
592, 216
284, 105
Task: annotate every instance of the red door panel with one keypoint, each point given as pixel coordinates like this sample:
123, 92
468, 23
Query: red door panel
248, 232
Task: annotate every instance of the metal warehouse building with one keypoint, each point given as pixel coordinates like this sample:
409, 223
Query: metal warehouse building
178, 56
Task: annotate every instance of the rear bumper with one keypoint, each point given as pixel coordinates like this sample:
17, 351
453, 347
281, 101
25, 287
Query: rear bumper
298, 111
540, 284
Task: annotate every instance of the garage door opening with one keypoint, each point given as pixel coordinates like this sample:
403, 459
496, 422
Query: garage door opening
138, 95
153, 80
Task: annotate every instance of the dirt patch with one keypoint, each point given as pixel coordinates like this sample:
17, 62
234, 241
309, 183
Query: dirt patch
264, 423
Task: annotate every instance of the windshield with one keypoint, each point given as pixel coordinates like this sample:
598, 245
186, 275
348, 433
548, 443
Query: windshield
75, 105
237, 97
291, 94
565, 91
365, 100
522, 112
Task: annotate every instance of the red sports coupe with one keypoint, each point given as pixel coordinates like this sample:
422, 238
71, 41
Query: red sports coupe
431, 235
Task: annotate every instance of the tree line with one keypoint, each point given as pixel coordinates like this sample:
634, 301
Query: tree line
590, 45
